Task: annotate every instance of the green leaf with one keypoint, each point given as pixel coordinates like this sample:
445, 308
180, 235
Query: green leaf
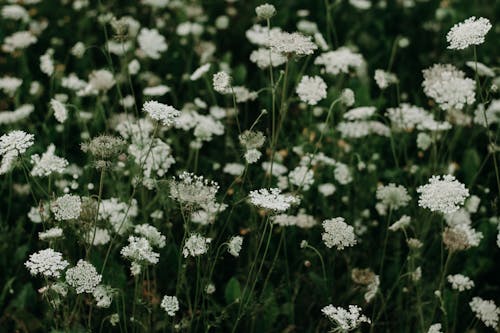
232, 291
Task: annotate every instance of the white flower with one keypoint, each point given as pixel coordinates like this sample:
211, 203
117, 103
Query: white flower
48, 263
272, 199
222, 82
460, 282
435, 328
234, 245
152, 234
12, 145
50, 234
139, 250
151, 42
266, 57
469, 32
384, 79
443, 194
195, 245
292, 44
9, 85
60, 111
311, 89
347, 319
265, 11
338, 233
486, 311
360, 113
302, 176
48, 163
480, 68
170, 304
199, 72
47, 63
192, 189
83, 277
394, 196
339, 61
67, 207
347, 97
103, 296
252, 156
163, 113
18, 41
448, 86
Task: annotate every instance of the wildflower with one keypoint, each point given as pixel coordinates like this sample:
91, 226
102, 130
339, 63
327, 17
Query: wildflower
338, 233
9, 85
100, 81
469, 32
292, 44
448, 86
394, 196
442, 194
50, 234
460, 282
302, 176
151, 42
327, 189
384, 79
195, 245
60, 111
48, 263
104, 149
170, 304
12, 145
264, 58
480, 68
152, 234
47, 63
346, 319
139, 250
486, 311
83, 277
339, 61
48, 163
414, 243
252, 139
400, 224
360, 113
19, 40
11, 117
210, 288
347, 97
189, 189
163, 113
311, 89
222, 82
265, 11
67, 207
272, 199
424, 141
199, 72
103, 295
234, 245
435, 328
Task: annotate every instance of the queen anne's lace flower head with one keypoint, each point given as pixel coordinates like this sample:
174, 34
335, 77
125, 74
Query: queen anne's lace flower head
234, 245
151, 42
338, 233
346, 319
67, 207
191, 189
469, 32
448, 86
12, 145
152, 234
170, 304
442, 194
48, 163
394, 196
139, 250
486, 311
292, 44
311, 89
48, 263
222, 82
103, 295
272, 199
83, 277
339, 61
460, 282
163, 113
195, 245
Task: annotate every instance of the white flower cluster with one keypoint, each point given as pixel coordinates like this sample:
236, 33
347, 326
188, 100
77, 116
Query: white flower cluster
103, 295
163, 113
264, 58
347, 319
443, 194
469, 32
448, 86
234, 245
460, 282
190, 189
152, 234
311, 89
195, 245
170, 304
11, 117
139, 250
151, 43
83, 277
292, 44
222, 82
50, 234
435, 328
301, 220
48, 263
384, 79
119, 214
48, 163
67, 207
272, 199
338, 233
393, 196
486, 311
12, 145
339, 61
